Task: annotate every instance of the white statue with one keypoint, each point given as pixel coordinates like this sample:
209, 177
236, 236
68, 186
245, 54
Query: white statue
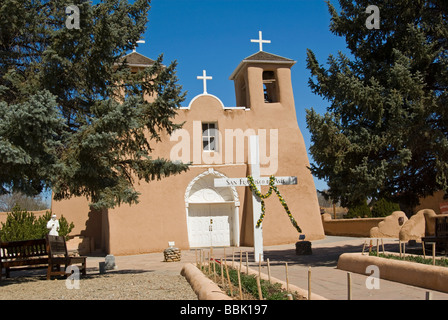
53, 226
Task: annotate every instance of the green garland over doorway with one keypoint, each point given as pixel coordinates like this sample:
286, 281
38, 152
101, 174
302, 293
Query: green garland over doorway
272, 187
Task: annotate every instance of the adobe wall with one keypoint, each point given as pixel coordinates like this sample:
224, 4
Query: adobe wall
357, 227
38, 213
396, 225
431, 202
160, 216
411, 273
390, 227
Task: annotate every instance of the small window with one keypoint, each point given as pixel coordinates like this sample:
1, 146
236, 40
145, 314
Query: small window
209, 136
270, 87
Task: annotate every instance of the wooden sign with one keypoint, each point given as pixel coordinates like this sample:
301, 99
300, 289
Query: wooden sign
262, 181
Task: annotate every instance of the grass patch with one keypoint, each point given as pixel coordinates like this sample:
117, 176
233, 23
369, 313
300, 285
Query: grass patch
269, 291
443, 262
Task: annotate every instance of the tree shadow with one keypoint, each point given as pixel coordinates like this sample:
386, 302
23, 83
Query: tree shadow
24, 276
320, 257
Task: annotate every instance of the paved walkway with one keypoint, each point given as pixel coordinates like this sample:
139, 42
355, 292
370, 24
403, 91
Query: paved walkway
326, 279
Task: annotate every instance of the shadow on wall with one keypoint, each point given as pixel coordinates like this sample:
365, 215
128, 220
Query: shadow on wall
93, 239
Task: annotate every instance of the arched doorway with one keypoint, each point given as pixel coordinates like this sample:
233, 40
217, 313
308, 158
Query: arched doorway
212, 213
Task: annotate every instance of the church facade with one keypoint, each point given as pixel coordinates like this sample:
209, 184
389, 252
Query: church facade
187, 208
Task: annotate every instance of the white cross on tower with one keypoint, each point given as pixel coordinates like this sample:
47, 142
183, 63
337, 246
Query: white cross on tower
139, 41
204, 78
260, 40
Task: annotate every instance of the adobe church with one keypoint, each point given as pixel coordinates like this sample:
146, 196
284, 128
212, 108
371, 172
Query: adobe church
188, 208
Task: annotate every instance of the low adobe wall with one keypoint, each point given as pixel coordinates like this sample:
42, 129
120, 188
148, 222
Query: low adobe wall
391, 226
419, 225
37, 214
396, 225
358, 227
303, 293
411, 273
206, 289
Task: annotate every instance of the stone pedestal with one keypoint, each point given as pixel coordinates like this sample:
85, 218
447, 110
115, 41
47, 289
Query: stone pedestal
303, 248
171, 254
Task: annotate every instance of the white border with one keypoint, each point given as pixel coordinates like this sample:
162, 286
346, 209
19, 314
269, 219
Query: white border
236, 202
213, 96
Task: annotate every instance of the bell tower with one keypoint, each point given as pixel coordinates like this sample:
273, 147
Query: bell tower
263, 86
263, 79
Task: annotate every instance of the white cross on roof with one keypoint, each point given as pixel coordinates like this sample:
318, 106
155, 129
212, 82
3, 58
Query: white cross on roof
139, 41
204, 78
260, 40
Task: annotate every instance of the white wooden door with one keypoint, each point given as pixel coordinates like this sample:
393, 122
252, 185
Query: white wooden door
210, 225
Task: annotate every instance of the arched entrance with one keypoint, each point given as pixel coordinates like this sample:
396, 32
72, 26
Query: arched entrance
212, 213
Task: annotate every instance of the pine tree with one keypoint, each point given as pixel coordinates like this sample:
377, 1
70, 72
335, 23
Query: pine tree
385, 132
383, 207
21, 224
73, 117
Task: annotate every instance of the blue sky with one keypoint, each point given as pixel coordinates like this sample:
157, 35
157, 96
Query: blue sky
215, 35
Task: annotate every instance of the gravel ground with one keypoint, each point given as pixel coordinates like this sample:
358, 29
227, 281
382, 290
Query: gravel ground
110, 286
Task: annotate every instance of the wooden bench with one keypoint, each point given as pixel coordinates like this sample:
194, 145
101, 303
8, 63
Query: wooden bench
49, 253
440, 237
20, 255
58, 255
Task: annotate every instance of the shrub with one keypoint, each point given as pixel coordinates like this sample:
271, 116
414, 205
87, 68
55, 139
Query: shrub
64, 227
269, 291
23, 225
19, 225
359, 211
383, 208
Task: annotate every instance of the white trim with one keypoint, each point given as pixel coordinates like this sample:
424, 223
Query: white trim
236, 225
219, 100
235, 202
246, 61
214, 202
206, 173
237, 108
217, 165
271, 61
203, 95
140, 65
136, 65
